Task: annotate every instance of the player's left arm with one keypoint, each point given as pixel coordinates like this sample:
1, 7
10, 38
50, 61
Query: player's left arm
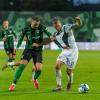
77, 21
47, 32
14, 33
21, 38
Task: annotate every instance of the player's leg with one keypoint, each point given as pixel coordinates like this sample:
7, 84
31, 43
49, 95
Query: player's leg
10, 54
14, 54
18, 74
37, 58
71, 63
11, 65
58, 75
26, 58
38, 70
70, 78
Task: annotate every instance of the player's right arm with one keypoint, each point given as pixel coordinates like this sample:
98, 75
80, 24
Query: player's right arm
45, 42
21, 38
2, 36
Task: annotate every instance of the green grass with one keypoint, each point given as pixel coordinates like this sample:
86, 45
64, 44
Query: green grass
86, 71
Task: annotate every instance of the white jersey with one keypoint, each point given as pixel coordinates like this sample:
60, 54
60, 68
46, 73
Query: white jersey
65, 37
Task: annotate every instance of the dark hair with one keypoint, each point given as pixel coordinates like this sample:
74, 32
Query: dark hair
36, 18
55, 20
5, 20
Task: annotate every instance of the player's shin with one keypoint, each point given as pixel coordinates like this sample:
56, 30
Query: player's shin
17, 76
70, 78
36, 74
58, 77
18, 73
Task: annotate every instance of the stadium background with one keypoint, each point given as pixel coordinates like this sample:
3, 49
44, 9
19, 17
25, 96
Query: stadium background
87, 35
18, 12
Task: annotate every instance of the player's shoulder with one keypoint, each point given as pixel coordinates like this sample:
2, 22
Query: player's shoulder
68, 26
42, 27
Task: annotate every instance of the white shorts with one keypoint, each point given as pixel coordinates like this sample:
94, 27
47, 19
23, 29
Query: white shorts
69, 57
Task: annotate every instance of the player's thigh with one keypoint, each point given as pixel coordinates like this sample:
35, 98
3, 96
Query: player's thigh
72, 60
59, 64
26, 56
61, 59
38, 59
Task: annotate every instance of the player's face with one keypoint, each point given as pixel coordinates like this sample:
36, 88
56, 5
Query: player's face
5, 24
35, 24
57, 25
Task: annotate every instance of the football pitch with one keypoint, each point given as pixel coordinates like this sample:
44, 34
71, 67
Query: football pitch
87, 71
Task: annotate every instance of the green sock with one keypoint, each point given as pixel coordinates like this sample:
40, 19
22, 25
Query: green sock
10, 60
37, 74
18, 73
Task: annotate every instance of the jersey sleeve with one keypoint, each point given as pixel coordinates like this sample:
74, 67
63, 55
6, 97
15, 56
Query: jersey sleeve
46, 31
21, 38
68, 27
14, 33
2, 34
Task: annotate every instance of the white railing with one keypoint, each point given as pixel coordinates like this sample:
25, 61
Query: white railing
53, 46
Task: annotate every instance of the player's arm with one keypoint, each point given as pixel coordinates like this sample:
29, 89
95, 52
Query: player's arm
46, 31
21, 38
2, 36
77, 23
45, 42
14, 33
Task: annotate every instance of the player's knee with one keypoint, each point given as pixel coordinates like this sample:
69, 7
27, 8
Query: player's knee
57, 67
23, 62
38, 66
69, 71
33, 69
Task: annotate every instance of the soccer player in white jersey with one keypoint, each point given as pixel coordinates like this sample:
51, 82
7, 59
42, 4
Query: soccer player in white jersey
64, 38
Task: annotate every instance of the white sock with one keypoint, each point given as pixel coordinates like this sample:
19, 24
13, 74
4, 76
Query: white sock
70, 78
58, 77
14, 84
11, 63
33, 73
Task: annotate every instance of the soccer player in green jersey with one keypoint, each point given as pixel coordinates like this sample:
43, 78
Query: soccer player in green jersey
64, 38
34, 34
7, 35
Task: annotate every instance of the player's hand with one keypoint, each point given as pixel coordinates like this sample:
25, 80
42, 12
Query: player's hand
78, 21
36, 45
52, 38
4, 39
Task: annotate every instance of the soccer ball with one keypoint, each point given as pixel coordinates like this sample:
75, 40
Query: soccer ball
83, 88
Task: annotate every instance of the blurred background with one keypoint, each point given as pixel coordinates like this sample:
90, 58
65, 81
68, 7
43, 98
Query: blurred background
87, 32
19, 13
50, 5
